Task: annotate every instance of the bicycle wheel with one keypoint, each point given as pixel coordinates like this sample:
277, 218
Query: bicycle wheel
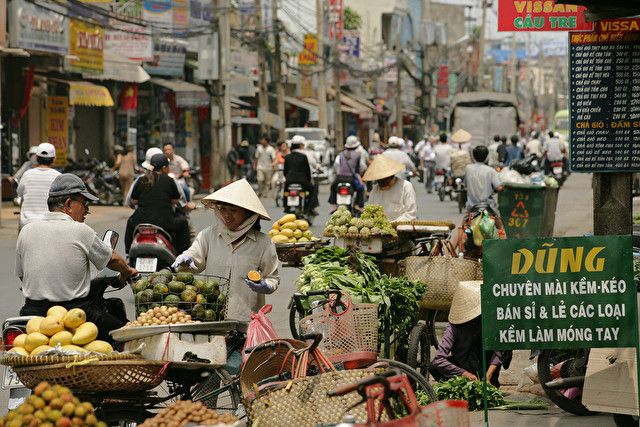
419, 352
418, 382
219, 391
548, 359
294, 320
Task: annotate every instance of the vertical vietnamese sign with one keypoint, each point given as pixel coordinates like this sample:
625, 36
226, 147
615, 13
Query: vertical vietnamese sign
541, 15
309, 54
559, 293
336, 20
58, 127
86, 45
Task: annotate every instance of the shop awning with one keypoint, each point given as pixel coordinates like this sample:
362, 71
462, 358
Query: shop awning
121, 70
364, 112
348, 105
89, 95
240, 103
188, 95
239, 120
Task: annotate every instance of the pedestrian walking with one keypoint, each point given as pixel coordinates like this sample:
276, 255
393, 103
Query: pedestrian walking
264, 164
125, 166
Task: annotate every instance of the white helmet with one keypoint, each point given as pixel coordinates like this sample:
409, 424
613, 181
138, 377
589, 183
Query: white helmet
299, 139
393, 141
351, 142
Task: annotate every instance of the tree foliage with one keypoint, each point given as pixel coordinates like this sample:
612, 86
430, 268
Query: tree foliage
352, 21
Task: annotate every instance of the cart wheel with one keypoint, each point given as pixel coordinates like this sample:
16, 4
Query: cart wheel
418, 382
419, 353
549, 358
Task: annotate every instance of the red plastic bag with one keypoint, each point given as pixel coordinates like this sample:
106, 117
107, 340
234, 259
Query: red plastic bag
260, 330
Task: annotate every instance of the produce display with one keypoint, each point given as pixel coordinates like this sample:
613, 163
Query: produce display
162, 315
289, 229
185, 412
372, 223
68, 329
200, 297
357, 274
49, 406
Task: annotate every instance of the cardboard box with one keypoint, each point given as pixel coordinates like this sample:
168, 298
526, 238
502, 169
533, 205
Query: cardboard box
172, 346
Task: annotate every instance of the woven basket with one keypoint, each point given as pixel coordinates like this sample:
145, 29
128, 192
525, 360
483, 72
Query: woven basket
425, 223
18, 360
292, 254
117, 375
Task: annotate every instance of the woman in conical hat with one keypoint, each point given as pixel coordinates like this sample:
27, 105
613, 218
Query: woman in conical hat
233, 246
460, 349
395, 195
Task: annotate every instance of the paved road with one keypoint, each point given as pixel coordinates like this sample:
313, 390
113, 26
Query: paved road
573, 217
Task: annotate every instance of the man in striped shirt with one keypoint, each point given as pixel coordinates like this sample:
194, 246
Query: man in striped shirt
35, 183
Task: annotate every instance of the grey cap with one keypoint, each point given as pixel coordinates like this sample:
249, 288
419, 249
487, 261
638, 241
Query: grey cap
68, 184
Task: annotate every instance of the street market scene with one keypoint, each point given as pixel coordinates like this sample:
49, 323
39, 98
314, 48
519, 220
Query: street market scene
320, 213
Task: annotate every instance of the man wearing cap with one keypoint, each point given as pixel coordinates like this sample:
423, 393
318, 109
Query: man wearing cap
297, 171
394, 152
395, 195
54, 256
233, 246
35, 183
460, 350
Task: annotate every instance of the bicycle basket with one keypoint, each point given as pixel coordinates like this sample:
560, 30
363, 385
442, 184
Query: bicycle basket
204, 297
351, 335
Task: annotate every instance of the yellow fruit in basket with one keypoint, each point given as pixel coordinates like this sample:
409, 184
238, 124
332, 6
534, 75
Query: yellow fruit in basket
85, 333
308, 234
63, 338
19, 350
40, 349
98, 346
57, 310
51, 325
20, 340
280, 238
275, 226
297, 234
302, 224
33, 325
289, 226
287, 218
287, 233
74, 318
292, 240
35, 339
72, 347
273, 232
303, 240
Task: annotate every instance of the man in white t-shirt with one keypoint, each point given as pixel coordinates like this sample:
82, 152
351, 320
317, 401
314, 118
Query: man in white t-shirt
178, 167
34, 185
443, 153
264, 165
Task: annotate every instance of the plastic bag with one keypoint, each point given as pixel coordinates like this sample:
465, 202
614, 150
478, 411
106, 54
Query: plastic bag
483, 227
260, 330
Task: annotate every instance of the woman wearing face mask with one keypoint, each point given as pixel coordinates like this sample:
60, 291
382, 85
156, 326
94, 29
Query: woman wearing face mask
396, 196
233, 246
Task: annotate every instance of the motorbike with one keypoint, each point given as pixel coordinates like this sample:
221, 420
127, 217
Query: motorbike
460, 190
295, 201
428, 172
98, 178
346, 196
442, 184
557, 170
278, 184
14, 326
151, 249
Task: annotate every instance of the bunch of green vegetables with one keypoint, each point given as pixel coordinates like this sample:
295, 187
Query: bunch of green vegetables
357, 275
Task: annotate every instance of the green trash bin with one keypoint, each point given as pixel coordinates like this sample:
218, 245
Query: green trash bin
528, 210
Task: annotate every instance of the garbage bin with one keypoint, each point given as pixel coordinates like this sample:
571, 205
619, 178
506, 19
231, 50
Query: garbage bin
528, 210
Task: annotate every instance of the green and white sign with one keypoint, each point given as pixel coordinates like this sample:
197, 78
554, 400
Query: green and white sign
559, 293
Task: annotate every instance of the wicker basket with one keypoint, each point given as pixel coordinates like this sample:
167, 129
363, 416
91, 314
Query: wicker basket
17, 360
117, 375
291, 254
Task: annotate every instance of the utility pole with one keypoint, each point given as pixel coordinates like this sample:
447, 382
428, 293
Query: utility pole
514, 63
399, 81
480, 76
322, 88
222, 142
263, 100
277, 70
338, 95
426, 76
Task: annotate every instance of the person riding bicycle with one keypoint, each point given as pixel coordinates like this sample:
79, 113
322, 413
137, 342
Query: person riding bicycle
349, 166
297, 171
482, 181
54, 257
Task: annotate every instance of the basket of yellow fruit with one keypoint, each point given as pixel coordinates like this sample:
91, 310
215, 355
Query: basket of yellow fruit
293, 239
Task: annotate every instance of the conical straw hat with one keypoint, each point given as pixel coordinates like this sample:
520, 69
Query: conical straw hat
382, 167
238, 193
461, 136
465, 305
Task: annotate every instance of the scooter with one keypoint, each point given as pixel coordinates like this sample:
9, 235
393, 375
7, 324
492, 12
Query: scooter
442, 185
14, 326
558, 172
295, 201
345, 195
278, 184
151, 249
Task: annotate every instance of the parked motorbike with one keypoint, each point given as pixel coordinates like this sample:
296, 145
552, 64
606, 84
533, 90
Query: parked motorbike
98, 178
151, 249
295, 201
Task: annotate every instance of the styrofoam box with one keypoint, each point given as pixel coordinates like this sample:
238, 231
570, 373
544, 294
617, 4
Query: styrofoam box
367, 246
210, 347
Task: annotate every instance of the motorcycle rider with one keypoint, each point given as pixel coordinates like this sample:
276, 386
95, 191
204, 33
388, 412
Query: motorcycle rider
28, 164
179, 167
443, 152
244, 160
482, 181
349, 166
34, 186
396, 195
514, 152
54, 257
395, 152
534, 146
297, 171
554, 151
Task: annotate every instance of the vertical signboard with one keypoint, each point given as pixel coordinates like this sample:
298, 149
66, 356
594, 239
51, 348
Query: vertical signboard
604, 88
559, 293
536, 15
336, 22
309, 54
207, 57
351, 43
180, 13
58, 127
86, 45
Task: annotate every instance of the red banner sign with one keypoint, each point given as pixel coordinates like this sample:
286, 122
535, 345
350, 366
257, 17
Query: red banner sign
541, 15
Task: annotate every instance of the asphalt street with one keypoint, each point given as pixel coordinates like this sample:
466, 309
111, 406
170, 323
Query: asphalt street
573, 217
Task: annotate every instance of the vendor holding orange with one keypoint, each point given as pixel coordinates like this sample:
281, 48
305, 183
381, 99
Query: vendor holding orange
235, 246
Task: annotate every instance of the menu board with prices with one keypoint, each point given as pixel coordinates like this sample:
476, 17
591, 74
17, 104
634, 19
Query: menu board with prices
605, 97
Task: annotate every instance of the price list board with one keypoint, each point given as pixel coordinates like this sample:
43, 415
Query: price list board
604, 75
